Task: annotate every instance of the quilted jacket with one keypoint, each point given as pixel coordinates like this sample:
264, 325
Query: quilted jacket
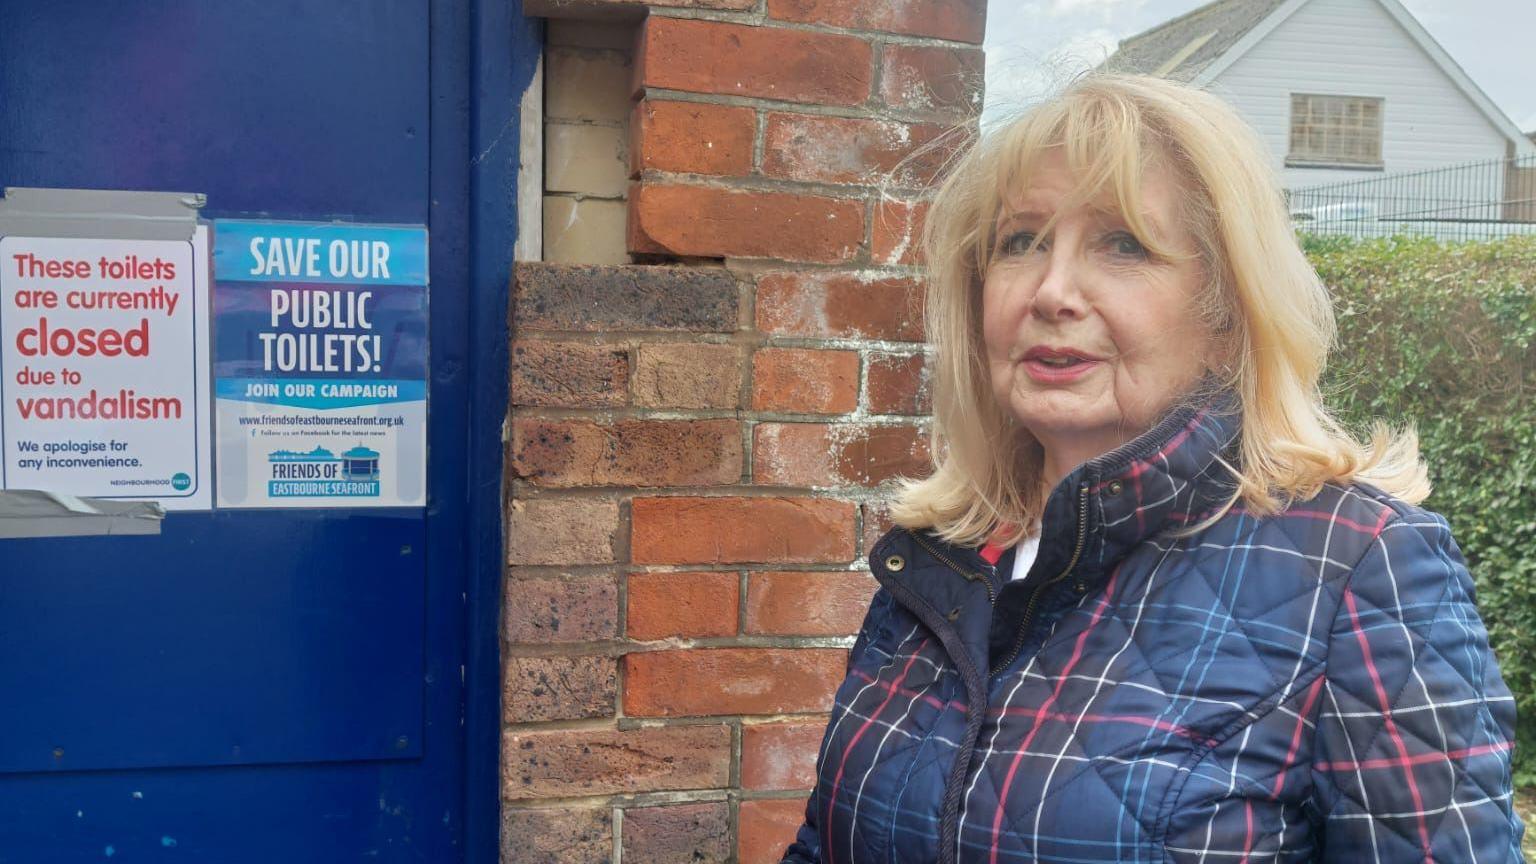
1311, 686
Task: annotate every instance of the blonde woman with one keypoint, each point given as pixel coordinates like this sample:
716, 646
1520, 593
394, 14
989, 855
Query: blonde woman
1153, 604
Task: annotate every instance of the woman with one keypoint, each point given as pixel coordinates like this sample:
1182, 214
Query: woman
1154, 604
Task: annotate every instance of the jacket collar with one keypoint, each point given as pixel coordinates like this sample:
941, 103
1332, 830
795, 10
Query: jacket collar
1165, 478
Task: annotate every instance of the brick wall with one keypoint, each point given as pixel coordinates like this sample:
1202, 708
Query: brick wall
695, 443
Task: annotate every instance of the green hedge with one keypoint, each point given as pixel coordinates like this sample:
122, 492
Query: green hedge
1441, 335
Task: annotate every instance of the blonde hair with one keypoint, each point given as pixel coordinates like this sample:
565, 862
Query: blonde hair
1261, 300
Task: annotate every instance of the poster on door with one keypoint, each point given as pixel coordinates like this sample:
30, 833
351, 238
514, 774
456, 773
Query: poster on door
104, 357
320, 364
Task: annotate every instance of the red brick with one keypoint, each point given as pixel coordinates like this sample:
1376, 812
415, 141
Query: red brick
574, 762
713, 681
707, 222
561, 530
840, 306
957, 20
849, 150
805, 380
876, 520
766, 828
568, 374
924, 79
740, 60
817, 455
899, 384
682, 604
693, 833
780, 756
897, 233
720, 530
556, 835
692, 138
688, 375
541, 609
797, 603
564, 453
535, 689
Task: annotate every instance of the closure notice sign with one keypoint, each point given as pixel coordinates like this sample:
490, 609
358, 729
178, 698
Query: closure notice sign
321, 364
104, 367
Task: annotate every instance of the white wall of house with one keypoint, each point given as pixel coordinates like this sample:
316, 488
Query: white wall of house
1354, 48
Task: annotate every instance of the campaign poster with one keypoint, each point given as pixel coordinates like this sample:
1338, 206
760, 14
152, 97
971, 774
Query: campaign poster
320, 364
104, 368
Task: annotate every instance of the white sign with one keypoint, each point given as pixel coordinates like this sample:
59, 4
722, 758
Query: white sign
104, 368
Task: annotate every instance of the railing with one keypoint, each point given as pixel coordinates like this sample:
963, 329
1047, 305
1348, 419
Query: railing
1470, 201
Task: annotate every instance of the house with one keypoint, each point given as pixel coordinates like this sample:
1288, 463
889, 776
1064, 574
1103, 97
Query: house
1340, 90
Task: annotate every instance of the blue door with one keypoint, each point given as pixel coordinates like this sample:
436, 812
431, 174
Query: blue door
272, 686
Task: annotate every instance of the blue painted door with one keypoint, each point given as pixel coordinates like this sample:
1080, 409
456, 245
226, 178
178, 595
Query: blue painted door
252, 686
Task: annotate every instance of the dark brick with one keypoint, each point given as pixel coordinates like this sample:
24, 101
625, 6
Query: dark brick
561, 530
694, 833
544, 609
535, 689
568, 374
604, 298
562, 836
568, 453
559, 763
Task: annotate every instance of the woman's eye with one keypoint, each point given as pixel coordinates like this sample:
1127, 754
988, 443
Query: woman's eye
1125, 244
1018, 243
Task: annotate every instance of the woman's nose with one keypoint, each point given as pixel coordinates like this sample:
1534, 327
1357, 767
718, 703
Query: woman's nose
1058, 294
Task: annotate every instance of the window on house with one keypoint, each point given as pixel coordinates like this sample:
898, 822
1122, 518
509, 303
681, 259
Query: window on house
1335, 130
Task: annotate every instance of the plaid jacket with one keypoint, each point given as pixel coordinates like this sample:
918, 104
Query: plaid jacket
1313, 686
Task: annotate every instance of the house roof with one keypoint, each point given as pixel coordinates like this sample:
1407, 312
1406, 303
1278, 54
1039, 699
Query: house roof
1199, 45
1181, 47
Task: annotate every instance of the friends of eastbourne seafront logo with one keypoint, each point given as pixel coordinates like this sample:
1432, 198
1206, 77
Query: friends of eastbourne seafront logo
320, 473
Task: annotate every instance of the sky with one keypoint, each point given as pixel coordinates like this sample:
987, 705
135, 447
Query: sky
1033, 45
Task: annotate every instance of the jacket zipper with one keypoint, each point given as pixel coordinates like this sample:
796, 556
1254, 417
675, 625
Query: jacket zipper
969, 576
1034, 597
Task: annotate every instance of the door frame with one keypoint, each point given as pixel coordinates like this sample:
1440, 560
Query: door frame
484, 54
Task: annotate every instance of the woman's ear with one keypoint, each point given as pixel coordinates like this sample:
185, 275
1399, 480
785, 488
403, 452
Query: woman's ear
1221, 356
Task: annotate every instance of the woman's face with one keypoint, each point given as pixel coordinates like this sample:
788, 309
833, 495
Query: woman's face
1089, 337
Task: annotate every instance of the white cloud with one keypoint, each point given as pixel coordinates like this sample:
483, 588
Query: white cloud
1018, 75
1104, 10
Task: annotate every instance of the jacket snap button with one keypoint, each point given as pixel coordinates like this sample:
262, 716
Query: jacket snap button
1080, 587
1115, 487
953, 613
895, 562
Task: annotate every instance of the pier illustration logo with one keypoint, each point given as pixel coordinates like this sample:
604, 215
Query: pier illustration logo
320, 473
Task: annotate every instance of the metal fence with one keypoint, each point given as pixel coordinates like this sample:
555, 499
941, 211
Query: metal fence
1471, 201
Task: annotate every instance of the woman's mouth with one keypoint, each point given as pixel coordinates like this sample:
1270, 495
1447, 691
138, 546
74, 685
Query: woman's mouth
1048, 365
